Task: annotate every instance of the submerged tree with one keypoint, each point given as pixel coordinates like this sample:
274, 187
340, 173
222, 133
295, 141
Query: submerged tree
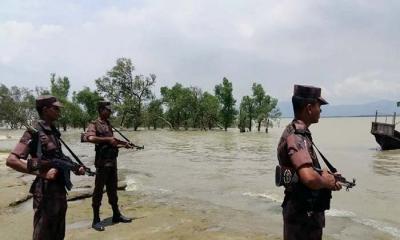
154, 114
265, 107
127, 91
224, 94
208, 111
247, 108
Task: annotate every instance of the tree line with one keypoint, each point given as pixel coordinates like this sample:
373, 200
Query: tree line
135, 105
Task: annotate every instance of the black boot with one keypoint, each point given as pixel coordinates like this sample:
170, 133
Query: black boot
118, 217
96, 225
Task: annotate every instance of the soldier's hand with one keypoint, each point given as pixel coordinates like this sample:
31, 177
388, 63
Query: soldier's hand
51, 174
81, 171
338, 185
329, 179
114, 142
129, 145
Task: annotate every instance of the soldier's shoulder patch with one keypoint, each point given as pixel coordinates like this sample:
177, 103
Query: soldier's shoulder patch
26, 137
296, 141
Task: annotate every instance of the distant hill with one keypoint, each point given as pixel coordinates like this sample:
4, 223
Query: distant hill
367, 109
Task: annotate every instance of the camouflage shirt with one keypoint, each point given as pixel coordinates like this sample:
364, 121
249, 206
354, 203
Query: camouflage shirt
295, 147
101, 128
49, 145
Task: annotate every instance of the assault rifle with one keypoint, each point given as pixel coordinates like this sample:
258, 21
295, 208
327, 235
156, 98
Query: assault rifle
88, 171
342, 180
62, 161
285, 176
128, 142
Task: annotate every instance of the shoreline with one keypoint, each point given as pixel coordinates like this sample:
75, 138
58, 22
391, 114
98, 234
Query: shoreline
152, 219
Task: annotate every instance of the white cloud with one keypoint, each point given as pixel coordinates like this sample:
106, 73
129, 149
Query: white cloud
276, 43
368, 86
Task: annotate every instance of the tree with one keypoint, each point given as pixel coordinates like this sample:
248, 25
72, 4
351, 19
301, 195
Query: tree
88, 100
248, 111
265, 107
209, 109
126, 91
59, 87
224, 94
154, 113
16, 106
175, 99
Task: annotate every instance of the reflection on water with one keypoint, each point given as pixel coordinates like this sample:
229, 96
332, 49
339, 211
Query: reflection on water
387, 163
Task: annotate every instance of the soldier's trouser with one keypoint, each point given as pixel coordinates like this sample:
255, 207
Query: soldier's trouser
49, 218
105, 176
301, 226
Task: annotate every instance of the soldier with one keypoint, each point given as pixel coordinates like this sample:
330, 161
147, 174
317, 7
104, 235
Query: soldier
49, 186
100, 133
306, 199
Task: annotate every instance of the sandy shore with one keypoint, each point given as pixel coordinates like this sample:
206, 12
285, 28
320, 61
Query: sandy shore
153, 220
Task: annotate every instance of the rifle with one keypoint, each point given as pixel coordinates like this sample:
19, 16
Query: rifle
60, 162
342, 180
88, 171
285, 176
130, 144
63, 164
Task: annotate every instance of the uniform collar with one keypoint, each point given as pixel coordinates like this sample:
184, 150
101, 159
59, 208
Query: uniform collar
44, 125
103, 121
300, 126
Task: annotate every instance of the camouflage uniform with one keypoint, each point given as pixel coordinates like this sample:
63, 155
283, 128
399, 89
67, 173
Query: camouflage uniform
49, 196
303, 208
105, 163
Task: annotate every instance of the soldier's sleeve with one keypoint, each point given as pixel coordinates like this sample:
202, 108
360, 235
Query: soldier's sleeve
91, 130
21, 150
297, 151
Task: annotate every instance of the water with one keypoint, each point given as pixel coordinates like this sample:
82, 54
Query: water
230, 175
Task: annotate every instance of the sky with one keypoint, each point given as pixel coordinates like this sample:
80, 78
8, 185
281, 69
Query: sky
351, 49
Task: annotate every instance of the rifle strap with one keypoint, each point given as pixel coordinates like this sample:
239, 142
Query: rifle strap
328, 164
308, 136
70, 151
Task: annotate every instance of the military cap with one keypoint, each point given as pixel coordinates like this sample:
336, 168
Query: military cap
308, 92
47, 101
104, 104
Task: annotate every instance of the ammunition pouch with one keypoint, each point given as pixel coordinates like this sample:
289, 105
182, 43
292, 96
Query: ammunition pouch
104, 152
303, 198
285, 176
307, 200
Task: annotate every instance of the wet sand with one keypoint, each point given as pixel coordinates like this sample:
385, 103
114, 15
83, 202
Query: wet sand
152, 219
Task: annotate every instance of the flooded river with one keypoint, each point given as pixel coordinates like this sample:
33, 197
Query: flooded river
231, 175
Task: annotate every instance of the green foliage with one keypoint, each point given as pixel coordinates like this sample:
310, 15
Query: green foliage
59, 87
208, 110
88, 100
154, 114
126, 91
17, 106
265, 107
247, 112
224, 94
135, 104
176, 101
